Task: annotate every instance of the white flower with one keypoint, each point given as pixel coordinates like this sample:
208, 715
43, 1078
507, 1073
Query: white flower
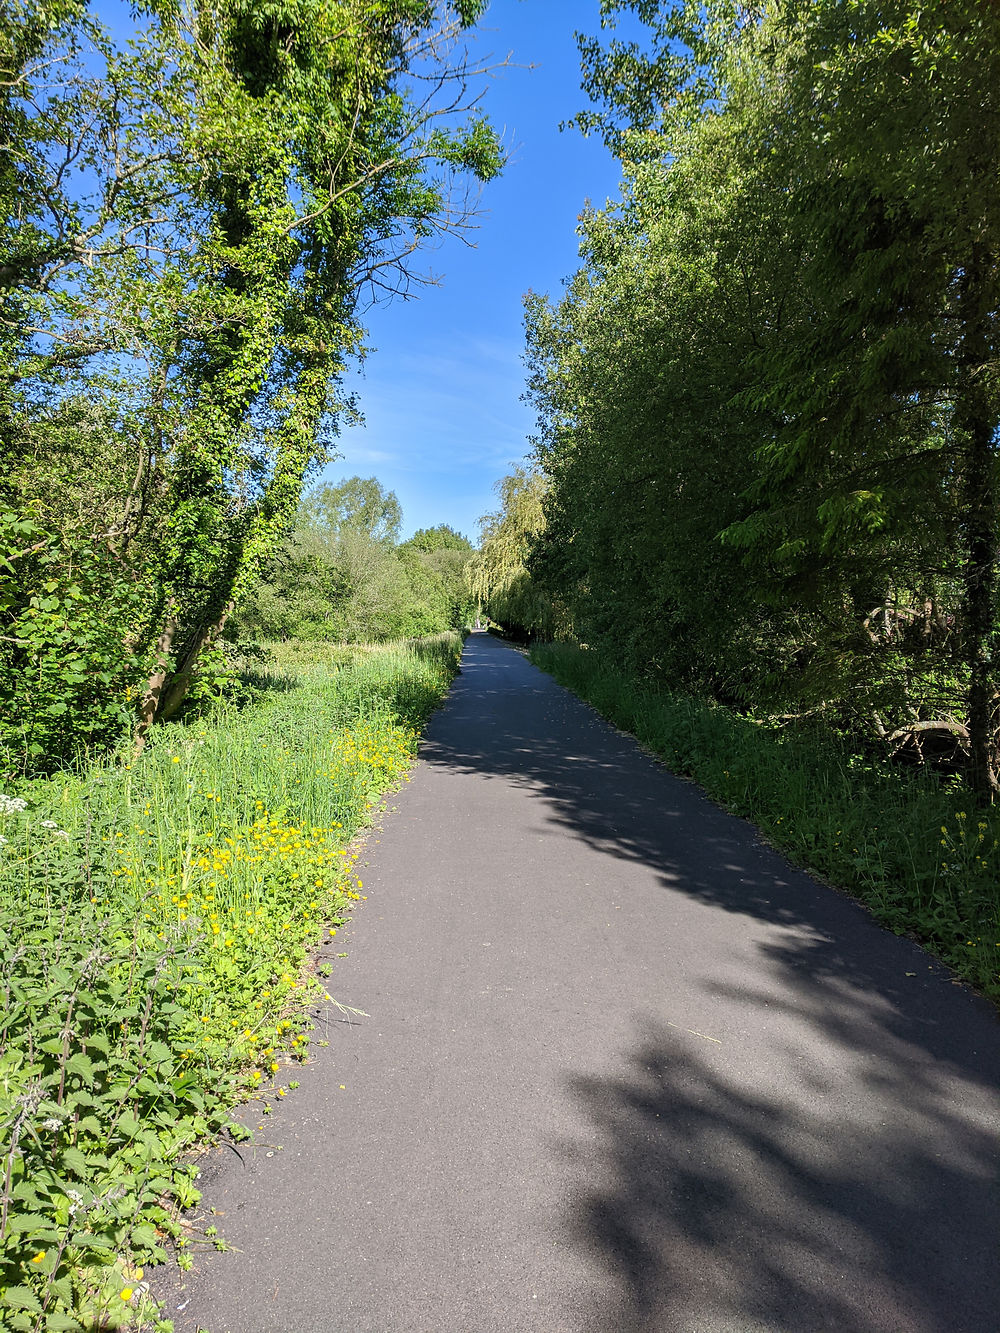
51, 1124
3, 841
49, 823
9, 805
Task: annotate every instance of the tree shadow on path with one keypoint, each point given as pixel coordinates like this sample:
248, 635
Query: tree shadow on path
717, 1210
840, 1170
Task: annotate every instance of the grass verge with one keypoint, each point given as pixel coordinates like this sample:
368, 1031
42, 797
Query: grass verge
913, 849
154, 921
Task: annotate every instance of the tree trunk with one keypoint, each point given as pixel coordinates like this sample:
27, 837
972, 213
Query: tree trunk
154, 686
180, 681
976, 420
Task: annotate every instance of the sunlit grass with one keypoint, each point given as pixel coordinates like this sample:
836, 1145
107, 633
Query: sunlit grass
155, 916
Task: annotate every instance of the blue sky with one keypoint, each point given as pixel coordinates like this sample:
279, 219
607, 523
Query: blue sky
441, 392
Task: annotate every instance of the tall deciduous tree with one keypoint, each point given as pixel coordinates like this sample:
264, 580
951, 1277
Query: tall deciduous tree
886, 119
444, 554
498, 573
355, 505
803, 280
342, 576
252, 172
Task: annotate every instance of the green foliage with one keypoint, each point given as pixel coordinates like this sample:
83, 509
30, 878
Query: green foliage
442, 538
768, 405
498, 573
178, 312
442, 555
97, 1100
358, 506
67, 674
297, 598
341, 576
912, 849
154, 922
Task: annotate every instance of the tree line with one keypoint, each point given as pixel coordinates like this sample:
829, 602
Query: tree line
195, 216
343, 575
768, 400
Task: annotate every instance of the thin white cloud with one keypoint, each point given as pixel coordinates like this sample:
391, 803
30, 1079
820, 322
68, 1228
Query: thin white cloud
361, 453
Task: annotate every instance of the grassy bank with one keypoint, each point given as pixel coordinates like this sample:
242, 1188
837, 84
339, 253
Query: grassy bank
914, 849
155, 917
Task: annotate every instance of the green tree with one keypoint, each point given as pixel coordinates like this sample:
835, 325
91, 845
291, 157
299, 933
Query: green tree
498, 572
252, 171
355, 505
886, 121
784, 340
442, 538
341, 575
444, 555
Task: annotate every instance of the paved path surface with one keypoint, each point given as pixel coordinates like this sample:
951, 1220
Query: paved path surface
625, 1071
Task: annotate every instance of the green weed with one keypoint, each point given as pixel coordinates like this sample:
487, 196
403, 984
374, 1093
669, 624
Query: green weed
154, 921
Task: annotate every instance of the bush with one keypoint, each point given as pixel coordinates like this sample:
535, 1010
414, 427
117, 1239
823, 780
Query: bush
68, 679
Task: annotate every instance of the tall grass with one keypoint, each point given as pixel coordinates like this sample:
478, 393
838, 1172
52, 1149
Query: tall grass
155, 916
912, 847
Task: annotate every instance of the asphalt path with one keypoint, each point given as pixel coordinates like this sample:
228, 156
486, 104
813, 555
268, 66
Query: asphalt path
625, 1071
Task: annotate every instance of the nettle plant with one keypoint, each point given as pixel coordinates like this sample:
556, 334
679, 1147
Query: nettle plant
97, 1098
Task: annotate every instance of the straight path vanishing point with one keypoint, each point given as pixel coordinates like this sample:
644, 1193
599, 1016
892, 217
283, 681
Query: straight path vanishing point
625, 1071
